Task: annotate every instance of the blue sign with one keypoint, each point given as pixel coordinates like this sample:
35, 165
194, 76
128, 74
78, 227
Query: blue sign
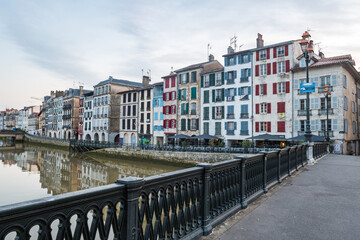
307, 87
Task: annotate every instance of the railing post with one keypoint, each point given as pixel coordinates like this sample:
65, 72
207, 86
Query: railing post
264, 172
133, 187
279, 166
296, 158
288, 153
207, 227
243, 183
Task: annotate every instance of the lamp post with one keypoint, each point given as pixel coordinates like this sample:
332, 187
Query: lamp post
306, 47
327, 93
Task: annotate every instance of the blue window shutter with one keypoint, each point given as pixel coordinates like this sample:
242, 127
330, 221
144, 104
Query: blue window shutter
234, 60
239, 59
226, 92
249, 57
226, 76
161, 103
153, 102
226, 126
239, 91
249, 90
316, 80
235, 73
249, 72
334, 102
234, 91
226, 61
235, 123
154, 128
242, 72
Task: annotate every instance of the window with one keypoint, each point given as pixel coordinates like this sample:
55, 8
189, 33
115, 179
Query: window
262, 89
324, 80
142, 106
134, 97
147, 106
281, 87
262, 69
281, 51
128, 124
173, 97
134, 110
123, 123
193, 108
244, 111
263, 108
183, 124
281, 67
206, 96
148, 95
345, 103
206, 113
183, 78
346, 125
218, 95
124, 111
206, 128
231, 126
156, 116
263, 126
245, 59
129, 97
230, 112
302, 104
183, 94
194, 124
219, 112
323, 105
218, 128
129, 111
353, 106
124, 98
325, 127
302, 125
232, 61
262, 54
218, 79
193, 76
354, 127
173, 109
206, 80
148, 117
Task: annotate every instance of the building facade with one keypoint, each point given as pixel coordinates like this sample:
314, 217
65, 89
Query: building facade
343, 81
158, 116
169, 113
145, 132
87, 116
129, 114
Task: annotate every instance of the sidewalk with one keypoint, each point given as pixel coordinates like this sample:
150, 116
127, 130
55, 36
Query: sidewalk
322, 202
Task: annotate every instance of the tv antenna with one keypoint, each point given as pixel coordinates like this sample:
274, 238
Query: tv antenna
208, 49
233, 41
149, 73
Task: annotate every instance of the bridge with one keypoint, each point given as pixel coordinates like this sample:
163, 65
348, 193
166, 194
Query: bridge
16, 135
184, 204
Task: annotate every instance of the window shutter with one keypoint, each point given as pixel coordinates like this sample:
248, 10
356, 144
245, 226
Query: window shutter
234, 89
153, 102
344, 80
297, 104
202, 81
278, 107
333, 80
274, 52
274, 88
213, 113
164, 110
287, 66
268, 107
185, 94
227, 92
257, 90
212, 79
243, 72
222, 94
256, 70
187, 108
235, 74
316, 80
226, 126
296, 84
313, 125
249, 72
312, 103
179, 94
187, 77
317, 103
256, 126
268, 53
257, 55
239, 59
286, 50
188, 122
174, 123
226, 61
345, 103
226, 76
235, 123
274, 68
334, 124
334, 102
296, 125
345, 125
268, 126
257, 110
281, 126
287, 87
265, 89
197, 124
179, 78
222, 112
268, 68
222, 78
213, 95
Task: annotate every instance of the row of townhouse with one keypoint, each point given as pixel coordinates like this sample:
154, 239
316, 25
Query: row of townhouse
256, 91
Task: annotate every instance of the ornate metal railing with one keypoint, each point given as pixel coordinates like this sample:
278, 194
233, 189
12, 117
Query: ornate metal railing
184, 204
319, 150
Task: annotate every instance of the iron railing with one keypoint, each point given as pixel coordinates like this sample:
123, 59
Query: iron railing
184, 204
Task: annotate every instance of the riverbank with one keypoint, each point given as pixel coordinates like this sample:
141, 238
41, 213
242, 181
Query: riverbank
45, 144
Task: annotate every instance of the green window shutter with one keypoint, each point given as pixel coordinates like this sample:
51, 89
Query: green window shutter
193, 76
222, 78
222, 112
206, 96
188, 124
222, 94
193, 93
212, 79
202, 81
187, 77
179, 95
187, 108
213, 95
183, 124
213, 112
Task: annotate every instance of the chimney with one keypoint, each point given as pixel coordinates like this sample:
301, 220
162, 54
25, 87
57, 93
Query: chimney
230, 50
211, 58
259, 41
146, 81
321, 55
81, 90
52, 93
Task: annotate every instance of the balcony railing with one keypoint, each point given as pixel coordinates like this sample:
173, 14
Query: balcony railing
303, 113
321, 89
230, 81
193, 112
244, 79
230, 98
230, 116
230, 132
323, 111
323, 134
218, 83
244, 115
244, 132
218, 99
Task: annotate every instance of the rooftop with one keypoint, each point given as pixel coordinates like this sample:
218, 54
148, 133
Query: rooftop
193, 66
119, 82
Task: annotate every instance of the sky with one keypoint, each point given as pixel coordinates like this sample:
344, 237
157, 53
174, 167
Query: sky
56, 45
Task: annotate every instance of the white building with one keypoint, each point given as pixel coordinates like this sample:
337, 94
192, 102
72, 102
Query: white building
87, 117
158, 118
2, 121
343, 81
169, 114
272, 86
129, 114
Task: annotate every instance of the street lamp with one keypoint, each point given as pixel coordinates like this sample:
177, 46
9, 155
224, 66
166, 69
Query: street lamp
306, 47
326, 94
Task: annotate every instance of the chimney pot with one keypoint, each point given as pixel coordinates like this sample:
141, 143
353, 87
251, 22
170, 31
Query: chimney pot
259, 41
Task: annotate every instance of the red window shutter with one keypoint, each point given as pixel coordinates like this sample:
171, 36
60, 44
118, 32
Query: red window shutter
174, 95
167, 83
174, 123
287, 86
256, 126
281, 107
274, 88
173, 82
257, 110
164, 123
257, 90
269, 126
286, 50
164, 109
287, 65
268, 53
278, 107
281, 126
257, 55
174, 109
274, 53
256, 70
265, 89
274, 67
164, 95
268, 107
268, 68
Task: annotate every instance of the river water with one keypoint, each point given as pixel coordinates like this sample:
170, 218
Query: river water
31, 172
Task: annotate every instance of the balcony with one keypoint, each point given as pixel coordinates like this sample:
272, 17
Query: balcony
148, 97
323, 134
321, 89
148, 108
244, 79
218, 83
230, 132
67, 106
230, 81
244, 115
303, 113
218, 99
142, 109
323, 111
141, 120
193, 112
230, 116
218, 117
67, 116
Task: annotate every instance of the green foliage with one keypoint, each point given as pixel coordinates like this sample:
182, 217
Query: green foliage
246, 143
221, 144
212, 143
184, 144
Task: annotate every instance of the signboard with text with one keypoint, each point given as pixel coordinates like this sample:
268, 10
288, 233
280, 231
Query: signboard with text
307, 87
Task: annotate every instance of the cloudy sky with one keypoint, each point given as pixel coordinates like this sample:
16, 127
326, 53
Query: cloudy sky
54, 45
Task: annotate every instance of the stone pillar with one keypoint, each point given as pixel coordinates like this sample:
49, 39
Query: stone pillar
207, 227
357, 148
309, 153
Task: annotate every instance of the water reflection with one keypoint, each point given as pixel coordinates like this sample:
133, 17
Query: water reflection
37, 172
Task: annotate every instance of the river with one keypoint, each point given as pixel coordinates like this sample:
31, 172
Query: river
29, 172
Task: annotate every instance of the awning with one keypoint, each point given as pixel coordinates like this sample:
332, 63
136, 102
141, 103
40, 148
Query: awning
205, 136
314, 138
180, 136
268, 137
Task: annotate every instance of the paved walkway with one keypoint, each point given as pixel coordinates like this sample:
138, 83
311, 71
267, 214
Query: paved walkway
322, 202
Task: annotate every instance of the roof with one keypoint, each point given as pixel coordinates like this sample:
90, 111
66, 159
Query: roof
90, 93
193, 66
127, 91
158, 84
170, 75
334, 60
119, 82
261, 48
213, 70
